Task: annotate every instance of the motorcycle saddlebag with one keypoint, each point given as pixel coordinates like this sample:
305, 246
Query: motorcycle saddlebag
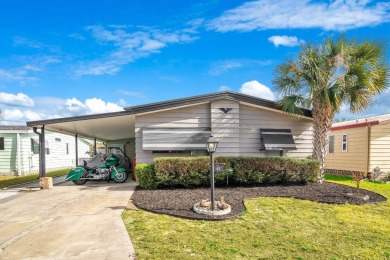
75, 174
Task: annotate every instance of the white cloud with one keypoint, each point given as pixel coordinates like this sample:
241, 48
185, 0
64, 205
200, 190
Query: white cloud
288, 41
53, 107
19, 116
337, 15
74, 105
76, 36
224, 66
131, 93
22, 41
254, 88
127, 44
90, 106
169, 78
224, 88
122, 103
380, 106
27, 73
219, 68
21, 75
19, 99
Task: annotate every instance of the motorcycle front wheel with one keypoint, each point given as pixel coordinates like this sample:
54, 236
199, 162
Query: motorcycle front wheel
120, 177
80, 182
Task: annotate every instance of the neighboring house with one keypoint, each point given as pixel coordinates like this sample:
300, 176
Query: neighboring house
244, 126
19, 150
360, 145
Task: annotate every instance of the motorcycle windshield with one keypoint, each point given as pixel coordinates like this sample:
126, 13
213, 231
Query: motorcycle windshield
95, 161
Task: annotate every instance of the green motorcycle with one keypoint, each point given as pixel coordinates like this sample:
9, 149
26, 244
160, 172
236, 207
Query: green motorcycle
100, 167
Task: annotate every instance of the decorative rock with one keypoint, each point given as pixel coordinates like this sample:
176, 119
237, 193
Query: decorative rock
46, 183
204, 207
355, 196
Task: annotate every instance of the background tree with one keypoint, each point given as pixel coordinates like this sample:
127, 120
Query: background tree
324, 77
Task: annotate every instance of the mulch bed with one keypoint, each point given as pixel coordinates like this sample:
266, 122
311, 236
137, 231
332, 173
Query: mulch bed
179, 202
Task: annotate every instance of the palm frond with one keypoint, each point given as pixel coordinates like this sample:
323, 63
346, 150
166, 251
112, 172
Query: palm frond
292, 104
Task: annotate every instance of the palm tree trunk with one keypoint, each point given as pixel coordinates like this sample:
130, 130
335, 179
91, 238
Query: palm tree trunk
323, 117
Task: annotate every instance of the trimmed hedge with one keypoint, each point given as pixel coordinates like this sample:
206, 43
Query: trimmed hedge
195, 171
146, 176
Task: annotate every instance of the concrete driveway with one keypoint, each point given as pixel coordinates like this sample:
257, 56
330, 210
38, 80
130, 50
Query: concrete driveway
66, 222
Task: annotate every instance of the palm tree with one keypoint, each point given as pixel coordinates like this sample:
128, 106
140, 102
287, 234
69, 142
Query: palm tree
325, 77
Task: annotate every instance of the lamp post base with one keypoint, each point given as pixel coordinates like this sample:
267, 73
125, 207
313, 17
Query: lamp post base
207, 211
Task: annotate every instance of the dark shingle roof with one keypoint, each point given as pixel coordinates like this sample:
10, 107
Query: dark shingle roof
14, 127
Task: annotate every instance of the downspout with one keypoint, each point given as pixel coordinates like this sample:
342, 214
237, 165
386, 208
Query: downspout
42, 159
18, 154
77, 150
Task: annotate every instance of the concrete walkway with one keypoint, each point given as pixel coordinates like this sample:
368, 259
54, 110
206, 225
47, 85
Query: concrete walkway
66, 222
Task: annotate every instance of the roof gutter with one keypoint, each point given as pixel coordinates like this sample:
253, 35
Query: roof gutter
343, 127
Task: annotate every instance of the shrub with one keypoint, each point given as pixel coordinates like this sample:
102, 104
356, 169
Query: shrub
195, 171
146, 176
182, 171
258, 170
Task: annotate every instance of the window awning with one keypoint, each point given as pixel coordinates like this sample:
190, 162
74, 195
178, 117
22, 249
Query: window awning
277, 139
174, 139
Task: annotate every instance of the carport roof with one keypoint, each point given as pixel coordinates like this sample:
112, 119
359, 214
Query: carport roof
121, 125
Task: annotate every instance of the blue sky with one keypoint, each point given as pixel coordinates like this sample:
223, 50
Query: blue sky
66, 58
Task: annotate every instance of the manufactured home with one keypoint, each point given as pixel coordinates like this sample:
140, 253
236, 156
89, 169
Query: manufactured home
243, 125
19, 150
361, 145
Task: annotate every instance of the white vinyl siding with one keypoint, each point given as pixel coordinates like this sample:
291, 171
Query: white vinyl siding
237, 131
56, 159
8, 163
196, 116
225, 127
252, 119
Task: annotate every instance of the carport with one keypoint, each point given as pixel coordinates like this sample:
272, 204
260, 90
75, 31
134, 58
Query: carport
107, 127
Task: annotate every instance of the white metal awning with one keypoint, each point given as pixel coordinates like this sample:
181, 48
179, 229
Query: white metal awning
277, 139
174, 139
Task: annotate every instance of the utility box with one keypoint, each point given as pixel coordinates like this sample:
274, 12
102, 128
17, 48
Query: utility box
219, 167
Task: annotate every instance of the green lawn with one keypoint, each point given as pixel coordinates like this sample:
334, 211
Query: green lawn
7, 181
274, 228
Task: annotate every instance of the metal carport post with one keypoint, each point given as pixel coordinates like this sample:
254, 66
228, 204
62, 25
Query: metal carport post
42, 157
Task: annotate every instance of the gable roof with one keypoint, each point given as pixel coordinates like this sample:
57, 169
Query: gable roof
172, 104
121, 125
208, 98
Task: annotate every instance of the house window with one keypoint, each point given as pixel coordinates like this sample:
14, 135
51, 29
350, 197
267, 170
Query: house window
34, 146
331, 144
67, 148
1, 143
344, 143
167, 151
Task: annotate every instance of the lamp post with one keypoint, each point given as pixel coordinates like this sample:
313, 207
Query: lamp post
211, 145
